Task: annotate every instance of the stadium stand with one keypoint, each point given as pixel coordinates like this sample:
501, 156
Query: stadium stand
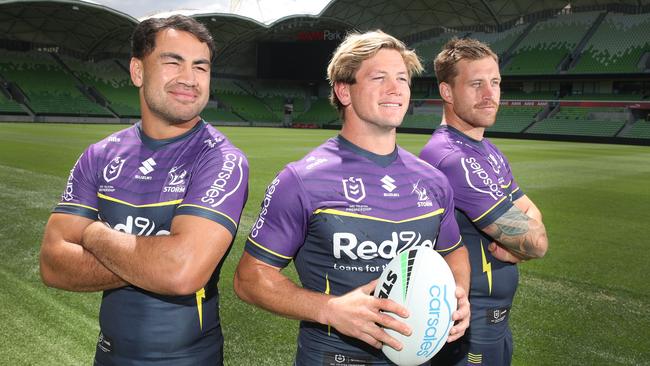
428, 49
216, 115
617, 46
111, 80
548, 43
515, 118
499, 42
640, 129
49, 89
249, 107
8, 106
580, 121
320, 113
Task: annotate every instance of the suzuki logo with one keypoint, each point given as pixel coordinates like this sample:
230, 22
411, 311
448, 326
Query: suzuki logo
147, 166
353, 189
388, 183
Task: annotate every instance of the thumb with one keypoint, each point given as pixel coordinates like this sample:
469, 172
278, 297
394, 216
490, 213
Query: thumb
492, 247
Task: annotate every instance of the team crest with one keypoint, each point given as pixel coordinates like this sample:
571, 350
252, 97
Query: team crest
176, 177
353, 189
113, 169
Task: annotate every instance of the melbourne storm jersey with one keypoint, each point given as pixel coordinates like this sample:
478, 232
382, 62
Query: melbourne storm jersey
484, 189
341, 214
138, 185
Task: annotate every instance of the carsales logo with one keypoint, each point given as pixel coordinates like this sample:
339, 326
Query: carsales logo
474, 170
265, 207
219, 190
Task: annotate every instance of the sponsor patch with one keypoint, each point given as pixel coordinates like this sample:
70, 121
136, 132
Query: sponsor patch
338, 359
104, 343
497, 315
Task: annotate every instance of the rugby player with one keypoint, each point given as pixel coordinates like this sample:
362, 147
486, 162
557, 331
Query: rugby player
500, 225
150, 212
345, 210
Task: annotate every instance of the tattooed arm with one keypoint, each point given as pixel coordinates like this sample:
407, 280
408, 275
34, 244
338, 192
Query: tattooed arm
520, 231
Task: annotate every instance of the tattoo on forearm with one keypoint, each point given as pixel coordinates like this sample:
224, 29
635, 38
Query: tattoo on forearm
513, 230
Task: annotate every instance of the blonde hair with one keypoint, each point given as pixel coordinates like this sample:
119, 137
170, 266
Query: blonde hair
456, 50
358, 47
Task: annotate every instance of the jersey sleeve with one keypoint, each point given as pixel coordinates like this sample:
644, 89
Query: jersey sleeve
477, 191
80, 194
280, 228
219, 188
515, 191
449, 238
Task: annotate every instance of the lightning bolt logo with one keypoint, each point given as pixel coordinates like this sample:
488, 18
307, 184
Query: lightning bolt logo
487, 269
327, 292
200, 295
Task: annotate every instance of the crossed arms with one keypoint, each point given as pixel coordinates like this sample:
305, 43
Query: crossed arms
79, 254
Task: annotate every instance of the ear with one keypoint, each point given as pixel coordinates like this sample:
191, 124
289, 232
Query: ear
445, 92
136, 71
342, 91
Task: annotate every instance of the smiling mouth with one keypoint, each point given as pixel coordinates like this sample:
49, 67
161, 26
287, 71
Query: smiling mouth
390, 104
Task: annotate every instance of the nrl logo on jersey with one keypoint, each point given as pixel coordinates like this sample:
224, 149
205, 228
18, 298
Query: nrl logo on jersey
353, 189
113, 169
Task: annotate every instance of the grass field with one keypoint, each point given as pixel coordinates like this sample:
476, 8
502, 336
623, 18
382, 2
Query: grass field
585, 303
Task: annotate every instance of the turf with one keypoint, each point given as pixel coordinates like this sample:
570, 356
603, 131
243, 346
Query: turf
585, 303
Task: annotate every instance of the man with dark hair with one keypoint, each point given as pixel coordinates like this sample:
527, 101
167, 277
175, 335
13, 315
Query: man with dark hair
500, 225
150, 212
346, 209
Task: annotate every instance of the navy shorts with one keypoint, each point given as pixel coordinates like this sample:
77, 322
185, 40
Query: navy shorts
464, 353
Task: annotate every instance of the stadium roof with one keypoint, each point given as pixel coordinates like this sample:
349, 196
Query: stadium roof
93, 29
84, 27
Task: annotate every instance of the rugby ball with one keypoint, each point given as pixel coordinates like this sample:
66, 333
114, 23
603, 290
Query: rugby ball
420, 280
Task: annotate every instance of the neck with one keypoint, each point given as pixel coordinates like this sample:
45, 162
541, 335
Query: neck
159, 129
376, 140
449, 118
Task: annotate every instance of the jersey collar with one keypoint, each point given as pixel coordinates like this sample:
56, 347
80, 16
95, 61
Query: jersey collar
154, 144
381, 160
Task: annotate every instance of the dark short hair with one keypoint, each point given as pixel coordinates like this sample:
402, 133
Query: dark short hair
143, 41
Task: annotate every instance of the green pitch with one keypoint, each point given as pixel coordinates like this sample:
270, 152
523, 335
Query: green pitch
585, 303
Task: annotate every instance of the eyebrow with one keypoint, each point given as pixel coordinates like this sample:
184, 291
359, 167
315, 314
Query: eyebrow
176, 56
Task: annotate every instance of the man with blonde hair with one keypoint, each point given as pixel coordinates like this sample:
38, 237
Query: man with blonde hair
499, 223
345, 210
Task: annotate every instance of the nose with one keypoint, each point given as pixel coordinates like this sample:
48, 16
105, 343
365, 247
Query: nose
393, 86
187, 76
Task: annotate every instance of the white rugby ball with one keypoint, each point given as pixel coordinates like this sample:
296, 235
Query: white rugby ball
420, 280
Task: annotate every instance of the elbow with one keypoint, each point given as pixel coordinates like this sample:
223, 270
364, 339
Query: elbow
48, 274
186, 282
239, 285
541, 247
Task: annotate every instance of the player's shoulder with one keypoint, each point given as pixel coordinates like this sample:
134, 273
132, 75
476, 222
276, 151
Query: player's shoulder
114, 143
441, 145
325, 157
215, 142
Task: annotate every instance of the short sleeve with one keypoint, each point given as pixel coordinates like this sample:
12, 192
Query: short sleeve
280, 228
477, 191
80, 194
449, 238
218, 188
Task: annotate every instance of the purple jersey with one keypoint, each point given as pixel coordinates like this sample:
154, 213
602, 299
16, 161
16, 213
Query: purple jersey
342, 213
484, 189
138, 185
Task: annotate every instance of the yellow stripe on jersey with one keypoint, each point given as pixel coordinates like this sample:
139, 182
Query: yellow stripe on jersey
157, 204
209, 209
507, 185
350, 214
490, 209
515, 190
460, 239
473, 358
267, 249
487, 269
78, 205
327, 292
